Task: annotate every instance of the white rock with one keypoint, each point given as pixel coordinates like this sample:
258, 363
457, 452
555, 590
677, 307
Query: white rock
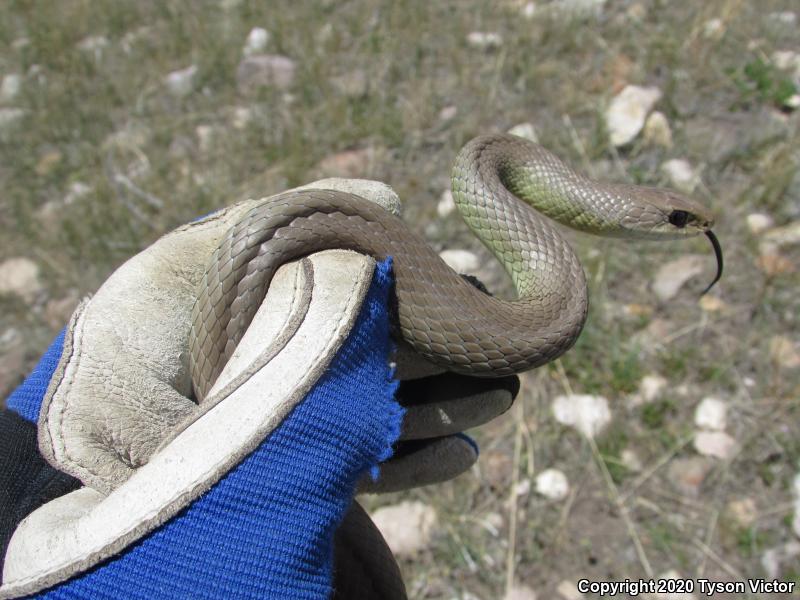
525, 130
758, 223
787, 60
552, 484
671, 277
181, 83
520, 592
256, 41
657, 130
461, 261
446, 204
486, 40
792, 102
630, 460
568, 590
265, 70
529, 10
448, 112
407, 527
716, 444
710, 414
650, 388
523, 487
681, 174
588, 414
10, 88
713, 29
627, 112
20, 276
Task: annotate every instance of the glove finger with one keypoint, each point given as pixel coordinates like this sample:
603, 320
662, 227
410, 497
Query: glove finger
422, 462
445, 404
363, 564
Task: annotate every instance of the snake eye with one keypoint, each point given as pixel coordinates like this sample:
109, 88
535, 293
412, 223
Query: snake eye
679, 218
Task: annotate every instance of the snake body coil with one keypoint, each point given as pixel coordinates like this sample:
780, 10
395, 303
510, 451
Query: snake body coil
442, 316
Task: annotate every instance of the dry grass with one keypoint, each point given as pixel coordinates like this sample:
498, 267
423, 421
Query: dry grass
103, 119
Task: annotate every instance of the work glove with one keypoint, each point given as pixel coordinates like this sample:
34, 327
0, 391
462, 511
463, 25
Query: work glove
115, 482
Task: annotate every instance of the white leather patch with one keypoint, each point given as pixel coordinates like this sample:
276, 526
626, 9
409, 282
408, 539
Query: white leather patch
75, 532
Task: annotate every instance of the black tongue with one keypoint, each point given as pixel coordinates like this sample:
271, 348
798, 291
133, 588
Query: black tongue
718, 253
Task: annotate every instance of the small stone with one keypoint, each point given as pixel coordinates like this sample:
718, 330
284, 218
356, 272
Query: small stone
256, 41
758, 223
711, 304
630, 460
787, 60
711, 414
448, 113
792, 102
10, 87
523, 487
461, 261
407, 527
94, 45
353, 84
681, 174
672, 276
20, 276
713, 29
688, 474
743, 511
650, 387
181, 83
568, 590
716, 444
525, 130
783, 352
485, 40
638, 310
446, 204
265, 70
627, 112
588, 414
657, 130
552, 484
520, 592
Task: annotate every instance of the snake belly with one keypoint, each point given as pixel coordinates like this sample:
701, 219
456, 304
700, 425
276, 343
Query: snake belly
443, 317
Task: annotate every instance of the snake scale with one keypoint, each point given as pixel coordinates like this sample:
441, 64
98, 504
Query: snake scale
504, 187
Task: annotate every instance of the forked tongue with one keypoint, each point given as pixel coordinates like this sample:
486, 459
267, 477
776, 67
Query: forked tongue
718, 253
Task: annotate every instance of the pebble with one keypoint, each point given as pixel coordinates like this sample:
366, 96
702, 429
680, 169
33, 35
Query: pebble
407, 527
181, 82
520, 592
461, 261
710, 303
265, 70
448, 112
650, 388
688, 474
711, 414
657, 130
446, 204
631, 460
758, 223
787, 60
716, 444
743, 511
627, 112
525, 130
588, 414
713, 29
672, 276
20, 276
10, 87
568, 590
485, 40
256, 41
529, 10
783, 352
552, 484
681, 175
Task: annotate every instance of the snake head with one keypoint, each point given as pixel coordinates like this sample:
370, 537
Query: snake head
660, 213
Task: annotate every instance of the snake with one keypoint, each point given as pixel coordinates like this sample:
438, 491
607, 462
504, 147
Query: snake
511, 192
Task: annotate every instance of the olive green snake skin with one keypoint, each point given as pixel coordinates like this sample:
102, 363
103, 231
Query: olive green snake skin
502, 185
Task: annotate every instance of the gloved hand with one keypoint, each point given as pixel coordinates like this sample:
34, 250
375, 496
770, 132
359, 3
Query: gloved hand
149, 494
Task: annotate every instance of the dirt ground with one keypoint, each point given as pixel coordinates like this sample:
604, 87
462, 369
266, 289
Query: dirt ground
120, 121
